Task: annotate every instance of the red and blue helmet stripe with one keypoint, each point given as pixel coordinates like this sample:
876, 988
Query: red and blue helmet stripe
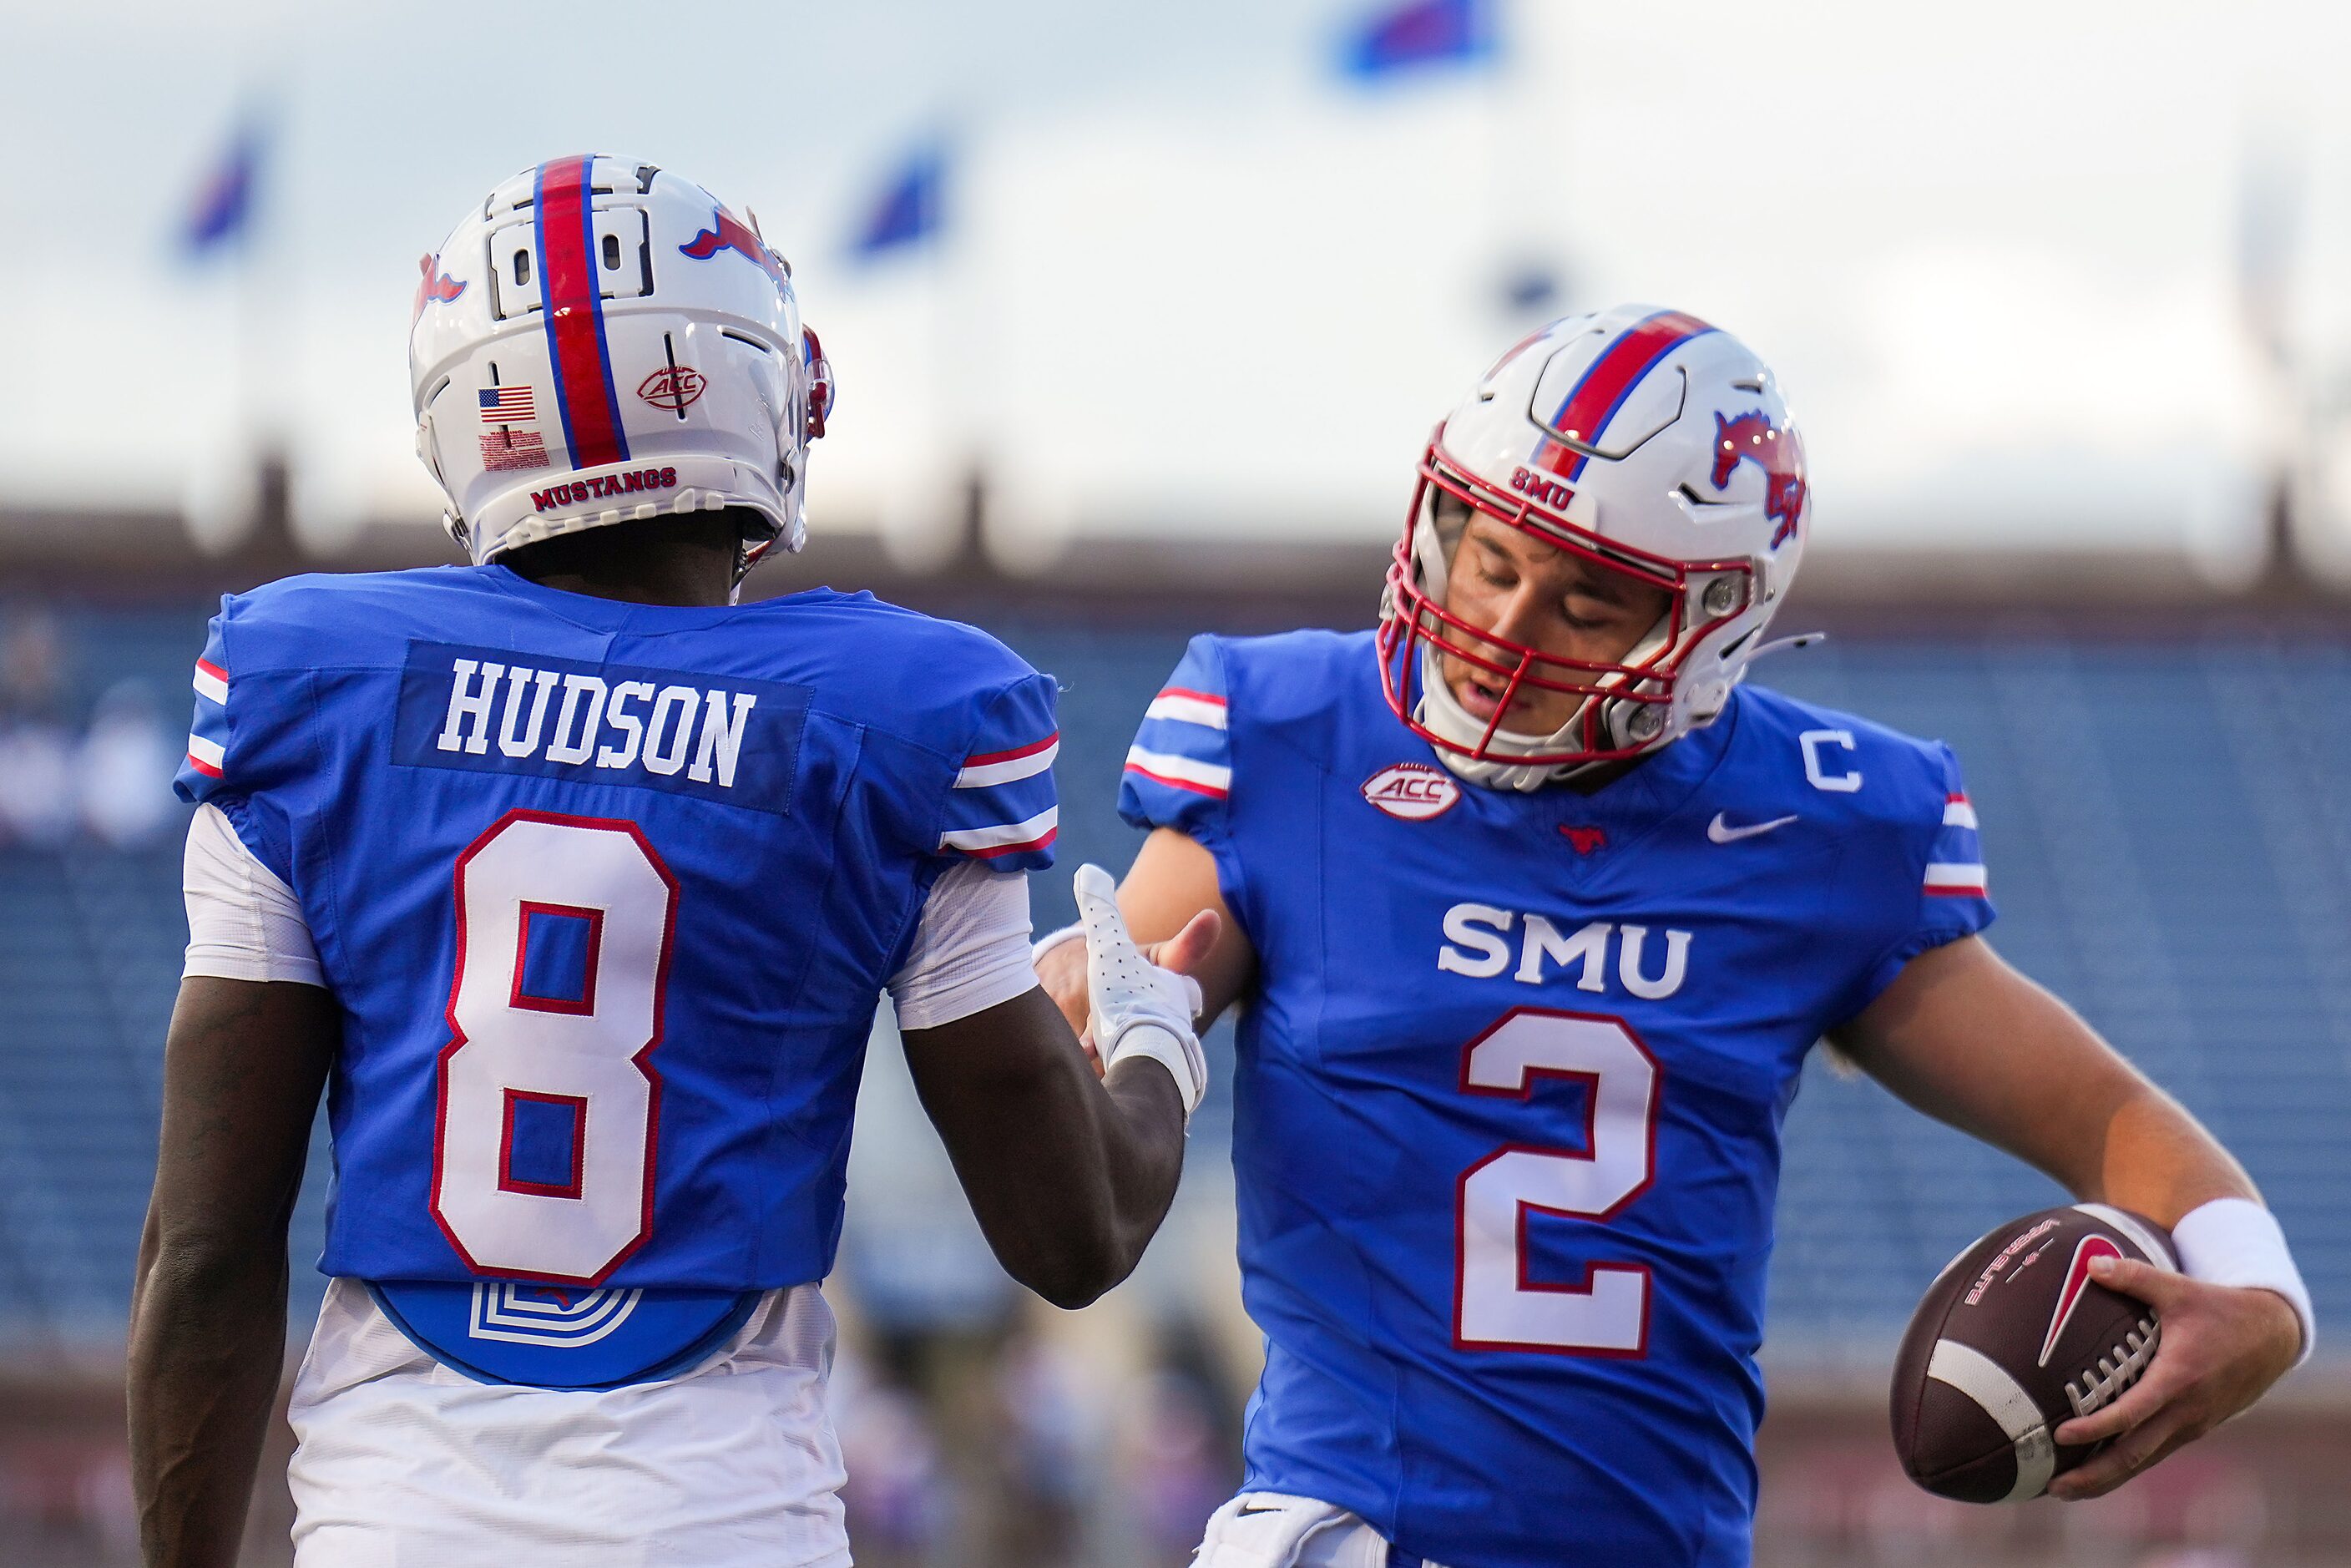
1584, 415
574, 312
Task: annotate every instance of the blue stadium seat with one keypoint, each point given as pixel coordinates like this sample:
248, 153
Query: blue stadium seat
2168, 829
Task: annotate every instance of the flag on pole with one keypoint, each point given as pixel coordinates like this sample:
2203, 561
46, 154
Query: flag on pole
1531, 289
223, 207
1400, 38
909, 208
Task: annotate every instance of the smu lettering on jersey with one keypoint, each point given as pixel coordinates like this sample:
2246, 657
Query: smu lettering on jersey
608, 894
1508, 1102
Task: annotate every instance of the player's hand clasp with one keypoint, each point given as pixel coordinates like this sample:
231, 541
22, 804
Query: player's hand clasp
1061, 965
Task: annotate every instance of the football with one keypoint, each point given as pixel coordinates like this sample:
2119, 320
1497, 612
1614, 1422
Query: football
2014, 1339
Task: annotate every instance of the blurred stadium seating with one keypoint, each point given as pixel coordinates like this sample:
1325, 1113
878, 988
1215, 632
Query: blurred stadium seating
2170, 842
2170, 852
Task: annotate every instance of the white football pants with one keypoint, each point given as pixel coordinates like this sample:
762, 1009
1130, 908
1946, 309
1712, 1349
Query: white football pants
402, 1463
1273, 1529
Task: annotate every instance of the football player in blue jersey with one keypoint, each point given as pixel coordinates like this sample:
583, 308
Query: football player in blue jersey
1535, 912
576, 885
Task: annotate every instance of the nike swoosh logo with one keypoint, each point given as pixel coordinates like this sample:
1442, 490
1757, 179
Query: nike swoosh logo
1722, 832
2069, 1296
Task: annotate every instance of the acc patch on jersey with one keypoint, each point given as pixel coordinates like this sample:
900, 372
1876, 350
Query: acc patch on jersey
1413, 791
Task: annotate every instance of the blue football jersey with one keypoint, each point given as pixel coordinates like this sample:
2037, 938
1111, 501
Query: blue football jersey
608, 894
1508, 1095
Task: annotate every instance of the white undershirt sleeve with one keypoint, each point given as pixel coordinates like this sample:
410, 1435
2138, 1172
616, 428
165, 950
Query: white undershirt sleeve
971, 948
244, 924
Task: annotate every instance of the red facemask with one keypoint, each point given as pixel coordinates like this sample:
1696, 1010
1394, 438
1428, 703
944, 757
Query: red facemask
1626, 704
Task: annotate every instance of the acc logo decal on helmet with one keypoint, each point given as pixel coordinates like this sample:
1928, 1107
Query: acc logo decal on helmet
673, 387
1412, 791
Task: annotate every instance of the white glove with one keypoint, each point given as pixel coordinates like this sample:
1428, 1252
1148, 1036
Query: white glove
1272, 1530
1136, 1007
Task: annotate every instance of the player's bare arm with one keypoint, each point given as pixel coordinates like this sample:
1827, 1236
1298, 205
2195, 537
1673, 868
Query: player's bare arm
1071, 1166
1968, 1041
1068, 1176
241, 1070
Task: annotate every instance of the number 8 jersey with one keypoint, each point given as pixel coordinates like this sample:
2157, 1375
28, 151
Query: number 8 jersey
1508, 1097
607, 892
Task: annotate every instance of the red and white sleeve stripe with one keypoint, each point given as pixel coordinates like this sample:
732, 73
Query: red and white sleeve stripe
1957, 879
1189, 708
1005, 839
206, 754
990, 767
1956, 870
1211, 778
211, 682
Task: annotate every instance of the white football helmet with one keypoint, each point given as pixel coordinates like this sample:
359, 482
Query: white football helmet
602, 341
1642, 441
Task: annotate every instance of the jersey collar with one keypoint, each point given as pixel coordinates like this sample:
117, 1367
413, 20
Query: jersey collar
1637, 802
621, 615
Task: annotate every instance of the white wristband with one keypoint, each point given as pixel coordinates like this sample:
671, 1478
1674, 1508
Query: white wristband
2236, 1241
1184, 1064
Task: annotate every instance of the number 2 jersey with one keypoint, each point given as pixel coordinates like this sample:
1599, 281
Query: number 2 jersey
607, 894
1510, 1094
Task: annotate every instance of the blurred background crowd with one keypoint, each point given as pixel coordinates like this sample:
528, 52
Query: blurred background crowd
70, 769
1141, 316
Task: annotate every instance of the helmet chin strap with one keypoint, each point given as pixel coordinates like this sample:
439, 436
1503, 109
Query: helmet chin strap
1442, 712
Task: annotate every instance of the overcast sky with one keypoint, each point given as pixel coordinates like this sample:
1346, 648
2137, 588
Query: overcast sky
1194, 281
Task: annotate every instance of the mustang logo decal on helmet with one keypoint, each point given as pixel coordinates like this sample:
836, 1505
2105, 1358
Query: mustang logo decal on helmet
727, 233
436, 288
1752, 438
